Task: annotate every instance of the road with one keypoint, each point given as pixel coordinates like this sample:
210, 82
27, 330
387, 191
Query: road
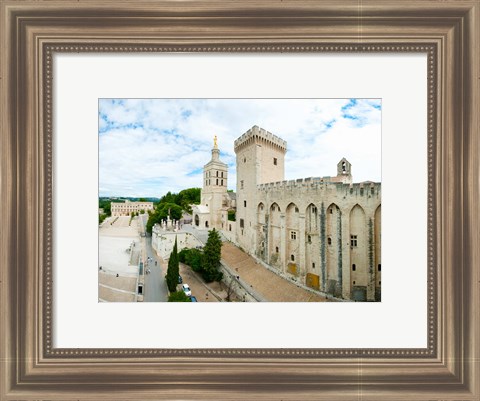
155, 285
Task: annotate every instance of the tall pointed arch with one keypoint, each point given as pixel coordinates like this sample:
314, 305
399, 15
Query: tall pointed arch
378, 252
358, 253
333, 249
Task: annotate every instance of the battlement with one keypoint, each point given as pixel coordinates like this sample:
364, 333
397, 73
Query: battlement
259, 135
319, 183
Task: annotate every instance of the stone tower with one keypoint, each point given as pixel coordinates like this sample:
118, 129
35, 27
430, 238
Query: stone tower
215, 188
344, 171
260, 159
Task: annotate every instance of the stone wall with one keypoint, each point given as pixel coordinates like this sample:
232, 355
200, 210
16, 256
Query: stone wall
163, 241
241, 290
323, 231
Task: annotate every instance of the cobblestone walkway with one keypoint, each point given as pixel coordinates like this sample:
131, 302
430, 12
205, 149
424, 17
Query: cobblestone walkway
263, 281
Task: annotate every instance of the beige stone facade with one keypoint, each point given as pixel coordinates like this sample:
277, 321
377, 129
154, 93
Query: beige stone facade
322, 231
127, 207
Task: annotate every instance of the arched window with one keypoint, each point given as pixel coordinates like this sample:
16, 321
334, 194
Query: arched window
197, 220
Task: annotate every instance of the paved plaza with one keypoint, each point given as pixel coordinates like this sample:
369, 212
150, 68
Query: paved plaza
120, 249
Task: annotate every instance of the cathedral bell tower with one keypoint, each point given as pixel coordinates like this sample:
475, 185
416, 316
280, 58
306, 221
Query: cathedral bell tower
215, 176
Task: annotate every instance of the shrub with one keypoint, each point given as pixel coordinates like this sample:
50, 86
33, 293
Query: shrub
211, 259
178, 296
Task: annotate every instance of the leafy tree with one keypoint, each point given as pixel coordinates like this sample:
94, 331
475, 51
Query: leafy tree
168, 198
102, 217
187, 197
177, 203
173, 269
161, 213
172, 208
105, 204
192, 258
211, 257
178, 296
182, 254
142, 200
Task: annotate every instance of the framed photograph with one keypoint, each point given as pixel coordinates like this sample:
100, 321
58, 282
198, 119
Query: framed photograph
319, 142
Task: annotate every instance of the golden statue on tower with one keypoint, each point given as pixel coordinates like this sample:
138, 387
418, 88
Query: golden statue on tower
215, 142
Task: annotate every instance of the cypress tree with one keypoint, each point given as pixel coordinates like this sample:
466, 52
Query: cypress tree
173, 269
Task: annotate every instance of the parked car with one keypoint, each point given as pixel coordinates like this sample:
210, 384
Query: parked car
180, 280
193, 299
186, 289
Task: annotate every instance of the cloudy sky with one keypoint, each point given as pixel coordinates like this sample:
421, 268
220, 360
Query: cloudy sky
148, 147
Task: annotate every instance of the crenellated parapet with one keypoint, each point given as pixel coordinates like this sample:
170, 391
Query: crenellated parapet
261, 136
318, 184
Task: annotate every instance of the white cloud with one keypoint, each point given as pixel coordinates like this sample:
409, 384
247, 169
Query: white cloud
149, 147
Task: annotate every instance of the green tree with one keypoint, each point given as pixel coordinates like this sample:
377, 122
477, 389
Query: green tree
194, 259
168, 198
101, 218
231, 215
211, 257
105, 204
173, 269
178, 296
177, 203
187, 197
161, 213
182, 255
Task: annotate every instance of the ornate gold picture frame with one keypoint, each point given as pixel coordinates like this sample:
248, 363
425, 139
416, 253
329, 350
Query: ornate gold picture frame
33, 31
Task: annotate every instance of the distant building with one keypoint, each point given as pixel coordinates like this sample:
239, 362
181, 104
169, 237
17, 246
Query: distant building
127, 207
